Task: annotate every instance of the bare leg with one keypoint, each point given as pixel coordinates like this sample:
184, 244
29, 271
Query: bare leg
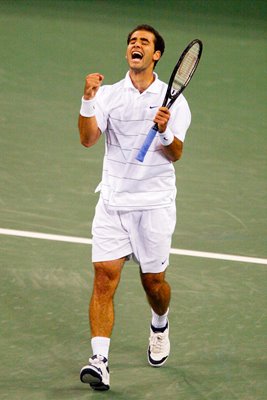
101, 309
157, 290
158, 293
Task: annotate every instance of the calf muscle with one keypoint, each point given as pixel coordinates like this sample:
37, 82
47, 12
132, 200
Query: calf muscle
101, 308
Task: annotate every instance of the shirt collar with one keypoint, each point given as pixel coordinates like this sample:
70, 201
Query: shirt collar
153, 88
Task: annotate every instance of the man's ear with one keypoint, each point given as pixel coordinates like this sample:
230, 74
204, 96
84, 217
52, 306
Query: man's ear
157, 55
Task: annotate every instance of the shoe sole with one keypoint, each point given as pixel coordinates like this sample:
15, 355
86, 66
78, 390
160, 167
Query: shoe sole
92, 378
156, 364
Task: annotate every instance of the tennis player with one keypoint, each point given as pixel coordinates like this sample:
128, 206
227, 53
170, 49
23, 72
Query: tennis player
135, 215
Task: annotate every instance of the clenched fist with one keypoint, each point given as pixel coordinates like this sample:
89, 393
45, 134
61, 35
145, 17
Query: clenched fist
161, 118
92, 84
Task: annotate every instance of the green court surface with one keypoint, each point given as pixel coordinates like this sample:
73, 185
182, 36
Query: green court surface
218, 317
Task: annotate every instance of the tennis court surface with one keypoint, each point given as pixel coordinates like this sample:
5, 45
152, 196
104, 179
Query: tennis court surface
218, 324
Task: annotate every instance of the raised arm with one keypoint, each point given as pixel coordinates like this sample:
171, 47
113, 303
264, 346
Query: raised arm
87, 123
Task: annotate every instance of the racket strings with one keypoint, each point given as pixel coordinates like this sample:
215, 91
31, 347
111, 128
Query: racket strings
187, 66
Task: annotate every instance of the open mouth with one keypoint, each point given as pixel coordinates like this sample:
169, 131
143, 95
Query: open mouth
137, 55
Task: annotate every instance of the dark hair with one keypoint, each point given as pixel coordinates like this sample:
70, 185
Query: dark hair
159, 41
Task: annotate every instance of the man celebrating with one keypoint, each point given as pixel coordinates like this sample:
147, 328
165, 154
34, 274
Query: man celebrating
135, 215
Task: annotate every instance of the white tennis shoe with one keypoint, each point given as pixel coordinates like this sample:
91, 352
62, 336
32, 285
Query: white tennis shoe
159, 347
96, 373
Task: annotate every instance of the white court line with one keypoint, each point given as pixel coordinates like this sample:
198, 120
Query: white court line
182, 252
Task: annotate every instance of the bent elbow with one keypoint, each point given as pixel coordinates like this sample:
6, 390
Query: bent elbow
89, 138
176, 157
88, 141
84, 143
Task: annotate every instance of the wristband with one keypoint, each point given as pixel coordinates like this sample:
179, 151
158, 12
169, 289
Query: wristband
166, 138
87, 108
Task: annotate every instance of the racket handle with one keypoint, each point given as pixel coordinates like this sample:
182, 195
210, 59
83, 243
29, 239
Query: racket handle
149, 139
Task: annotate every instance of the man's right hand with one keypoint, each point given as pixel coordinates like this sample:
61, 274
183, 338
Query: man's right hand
92, 84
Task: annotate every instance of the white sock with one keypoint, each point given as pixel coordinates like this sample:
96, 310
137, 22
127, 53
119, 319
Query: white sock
159, 321
100, 345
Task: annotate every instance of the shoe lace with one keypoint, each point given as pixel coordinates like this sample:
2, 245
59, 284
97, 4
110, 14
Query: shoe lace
156, 342
96, 360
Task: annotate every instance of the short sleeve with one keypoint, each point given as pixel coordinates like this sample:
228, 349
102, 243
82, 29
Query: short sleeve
180, 118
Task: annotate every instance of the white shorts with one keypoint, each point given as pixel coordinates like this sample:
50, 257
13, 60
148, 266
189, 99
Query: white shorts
146, 235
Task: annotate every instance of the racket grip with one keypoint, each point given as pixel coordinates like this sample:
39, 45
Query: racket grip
149, 139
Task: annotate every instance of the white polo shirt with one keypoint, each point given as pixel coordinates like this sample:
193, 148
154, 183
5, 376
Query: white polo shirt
125, 116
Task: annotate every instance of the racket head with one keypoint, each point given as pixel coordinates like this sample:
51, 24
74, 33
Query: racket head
183, 71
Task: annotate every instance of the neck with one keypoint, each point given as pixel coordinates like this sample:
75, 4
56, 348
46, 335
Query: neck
142, 79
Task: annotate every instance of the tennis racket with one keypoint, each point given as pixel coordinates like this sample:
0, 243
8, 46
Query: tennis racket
180, 78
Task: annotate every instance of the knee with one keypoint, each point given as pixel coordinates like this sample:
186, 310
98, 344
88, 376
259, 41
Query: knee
106, 279
152, 283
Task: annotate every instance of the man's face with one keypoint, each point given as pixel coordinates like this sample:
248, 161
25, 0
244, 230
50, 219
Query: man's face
140, 51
